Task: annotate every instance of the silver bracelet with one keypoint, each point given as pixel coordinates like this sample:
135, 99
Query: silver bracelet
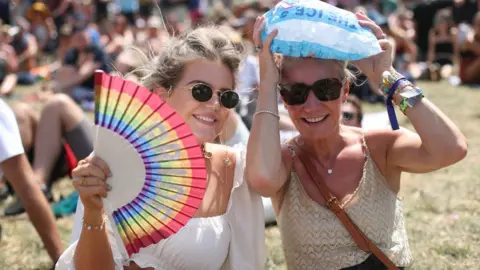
268, 112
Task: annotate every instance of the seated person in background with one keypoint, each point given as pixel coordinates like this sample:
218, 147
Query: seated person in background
406, 51
54, 142
121, 37
42, 26
442, 46
15, 166
352, 113
362, 87
8, 64
76, 76
470, 54
64, 43
154, 35
26, 49
402, 22
463, 11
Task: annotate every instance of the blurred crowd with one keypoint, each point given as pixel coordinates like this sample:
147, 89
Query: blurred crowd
54, 46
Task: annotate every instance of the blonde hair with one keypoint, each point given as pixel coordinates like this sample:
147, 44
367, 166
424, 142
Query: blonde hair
345, 73
207, 42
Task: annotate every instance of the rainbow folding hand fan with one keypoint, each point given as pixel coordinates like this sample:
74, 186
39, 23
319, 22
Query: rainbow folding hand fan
158, 168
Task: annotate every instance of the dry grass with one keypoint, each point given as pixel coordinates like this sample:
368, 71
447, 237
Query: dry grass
442, 209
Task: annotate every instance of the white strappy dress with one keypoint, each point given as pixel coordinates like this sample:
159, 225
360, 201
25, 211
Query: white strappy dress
234, 240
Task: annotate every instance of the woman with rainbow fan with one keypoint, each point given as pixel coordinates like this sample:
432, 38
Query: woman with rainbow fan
194, 74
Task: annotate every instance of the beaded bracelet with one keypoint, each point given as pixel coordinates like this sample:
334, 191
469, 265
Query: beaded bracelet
388, 80
95, 227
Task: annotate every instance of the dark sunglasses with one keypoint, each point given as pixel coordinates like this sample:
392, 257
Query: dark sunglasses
348, 116
324, 90
203, 92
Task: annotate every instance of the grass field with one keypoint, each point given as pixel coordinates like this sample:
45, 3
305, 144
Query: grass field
442, 208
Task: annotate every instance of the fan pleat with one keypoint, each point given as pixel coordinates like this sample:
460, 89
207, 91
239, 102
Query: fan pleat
156, 144
159, 140
127, 242
195, 162
158, 158
172, 150
131, 125
168, 213
178, 180
170, 203
117, 83
132, 236
106, 116
141, 225
142, 132
141, 122
177, 195
193, 192
132, 107
173, 175
154, 224
156, 128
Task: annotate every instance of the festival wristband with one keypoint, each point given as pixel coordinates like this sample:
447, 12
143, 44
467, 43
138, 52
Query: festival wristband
388, 80
410, 98
389, 103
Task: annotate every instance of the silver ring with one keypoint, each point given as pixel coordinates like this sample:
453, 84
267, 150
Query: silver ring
384, 36
258, 48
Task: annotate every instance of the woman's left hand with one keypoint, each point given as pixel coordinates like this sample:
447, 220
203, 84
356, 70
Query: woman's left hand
375, 65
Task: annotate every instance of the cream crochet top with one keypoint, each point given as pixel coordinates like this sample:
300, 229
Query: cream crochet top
314, 238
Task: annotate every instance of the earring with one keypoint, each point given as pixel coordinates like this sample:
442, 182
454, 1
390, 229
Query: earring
206, 154
170, 90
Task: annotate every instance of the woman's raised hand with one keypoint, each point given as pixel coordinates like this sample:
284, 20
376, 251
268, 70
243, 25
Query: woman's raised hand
89, 180
375, 65
269, 74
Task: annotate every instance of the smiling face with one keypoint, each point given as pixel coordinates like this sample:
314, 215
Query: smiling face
205, 119
314, 119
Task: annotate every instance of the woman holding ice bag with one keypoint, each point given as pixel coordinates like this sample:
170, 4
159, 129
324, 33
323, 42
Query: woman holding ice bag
334, 188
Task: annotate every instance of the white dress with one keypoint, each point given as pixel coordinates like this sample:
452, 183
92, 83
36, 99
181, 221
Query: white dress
234, 240
10, 140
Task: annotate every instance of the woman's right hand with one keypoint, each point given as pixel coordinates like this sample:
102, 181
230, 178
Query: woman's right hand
89, 180
269, 73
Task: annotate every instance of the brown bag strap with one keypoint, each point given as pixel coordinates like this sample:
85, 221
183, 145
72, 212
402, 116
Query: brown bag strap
363, 242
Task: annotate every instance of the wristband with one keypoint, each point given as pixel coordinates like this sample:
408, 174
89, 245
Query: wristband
410, 98
388, 80
389, 103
